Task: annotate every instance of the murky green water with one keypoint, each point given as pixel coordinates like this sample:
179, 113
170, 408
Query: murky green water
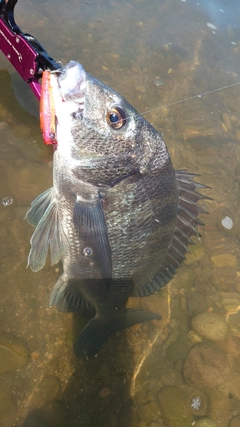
154, 53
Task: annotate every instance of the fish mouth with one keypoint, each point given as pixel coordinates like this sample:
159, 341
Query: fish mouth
72, 82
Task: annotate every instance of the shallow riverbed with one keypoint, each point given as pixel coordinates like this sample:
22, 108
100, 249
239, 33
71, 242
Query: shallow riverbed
185, 369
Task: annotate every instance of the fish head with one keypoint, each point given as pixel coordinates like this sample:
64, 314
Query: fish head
100, 132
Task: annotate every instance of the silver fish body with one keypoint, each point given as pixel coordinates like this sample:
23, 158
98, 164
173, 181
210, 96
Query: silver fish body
118, 216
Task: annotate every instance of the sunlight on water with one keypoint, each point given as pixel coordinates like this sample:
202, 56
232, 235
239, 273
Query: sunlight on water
186, 368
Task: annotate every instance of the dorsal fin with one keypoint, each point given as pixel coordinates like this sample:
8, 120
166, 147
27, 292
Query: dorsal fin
187, 220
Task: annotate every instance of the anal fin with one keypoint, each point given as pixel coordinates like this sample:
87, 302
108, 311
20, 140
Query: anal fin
66, 295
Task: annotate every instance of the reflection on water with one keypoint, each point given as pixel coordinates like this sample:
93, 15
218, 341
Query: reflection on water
169, 373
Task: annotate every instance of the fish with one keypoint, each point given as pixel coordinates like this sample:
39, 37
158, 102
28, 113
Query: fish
118, 216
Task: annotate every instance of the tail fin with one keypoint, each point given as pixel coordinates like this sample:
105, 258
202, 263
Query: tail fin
98, 330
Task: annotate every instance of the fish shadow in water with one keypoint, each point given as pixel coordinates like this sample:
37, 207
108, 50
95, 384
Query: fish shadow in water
98, 391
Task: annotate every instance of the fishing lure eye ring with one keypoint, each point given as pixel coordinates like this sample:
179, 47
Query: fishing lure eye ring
116, 117
87, 252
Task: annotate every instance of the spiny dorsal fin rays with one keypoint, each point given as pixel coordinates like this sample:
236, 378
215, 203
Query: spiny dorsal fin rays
187, 219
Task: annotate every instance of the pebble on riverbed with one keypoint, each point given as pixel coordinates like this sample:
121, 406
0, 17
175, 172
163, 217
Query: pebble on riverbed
210, 326
196, 253
206, 366
224, 260
173, 408
235, 422
205, 422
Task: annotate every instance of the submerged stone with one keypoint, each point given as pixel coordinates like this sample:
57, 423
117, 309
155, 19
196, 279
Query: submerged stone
235, 422
205, 422
196, 253
206, 365
178, 349
219, 407
224, 260
172, 404
210, 326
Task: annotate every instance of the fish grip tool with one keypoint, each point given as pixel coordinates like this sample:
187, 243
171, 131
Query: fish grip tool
23, 51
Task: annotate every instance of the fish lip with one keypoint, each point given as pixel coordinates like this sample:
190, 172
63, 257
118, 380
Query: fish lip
72, 82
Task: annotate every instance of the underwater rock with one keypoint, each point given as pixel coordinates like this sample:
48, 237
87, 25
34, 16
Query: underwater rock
231, 345
224, 260
196, 253
172, 404
179, 348
234, 385
193, 337
210, 326
13, 353
235, 422
205, 422
219, 407
206, 365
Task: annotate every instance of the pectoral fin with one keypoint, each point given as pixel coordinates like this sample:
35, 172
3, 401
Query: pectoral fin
39, 207
49, 232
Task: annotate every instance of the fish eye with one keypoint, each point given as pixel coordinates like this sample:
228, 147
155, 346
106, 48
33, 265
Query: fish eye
116, 117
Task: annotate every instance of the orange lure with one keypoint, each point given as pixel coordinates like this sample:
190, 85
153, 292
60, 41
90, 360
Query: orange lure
47, 111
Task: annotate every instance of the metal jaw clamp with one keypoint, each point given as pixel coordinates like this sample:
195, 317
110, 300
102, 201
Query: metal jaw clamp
23, 51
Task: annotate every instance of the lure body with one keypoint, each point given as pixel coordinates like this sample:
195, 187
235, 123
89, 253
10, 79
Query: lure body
47, 110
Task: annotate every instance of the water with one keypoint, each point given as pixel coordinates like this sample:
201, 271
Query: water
154, 53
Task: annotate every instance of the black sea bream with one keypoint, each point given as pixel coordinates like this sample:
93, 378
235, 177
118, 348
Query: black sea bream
118, 215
